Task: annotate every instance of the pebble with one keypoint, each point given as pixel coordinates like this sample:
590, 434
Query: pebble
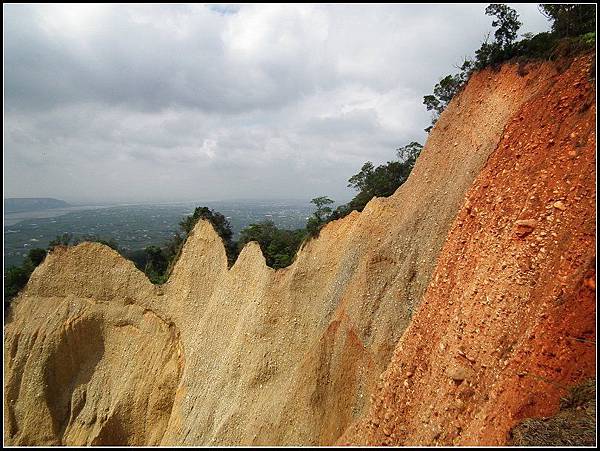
525, 226
559, 205
457, 374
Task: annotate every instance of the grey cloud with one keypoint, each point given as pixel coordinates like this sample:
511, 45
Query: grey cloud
162, 102
125, 61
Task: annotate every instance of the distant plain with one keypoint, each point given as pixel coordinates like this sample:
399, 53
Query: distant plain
135, 226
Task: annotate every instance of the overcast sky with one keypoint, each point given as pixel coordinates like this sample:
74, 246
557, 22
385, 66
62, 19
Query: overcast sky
172, 103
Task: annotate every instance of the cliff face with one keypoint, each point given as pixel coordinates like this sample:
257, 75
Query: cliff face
508, 321
95, 354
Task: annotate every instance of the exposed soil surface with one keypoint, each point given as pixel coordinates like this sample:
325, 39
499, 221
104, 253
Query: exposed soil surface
507, 324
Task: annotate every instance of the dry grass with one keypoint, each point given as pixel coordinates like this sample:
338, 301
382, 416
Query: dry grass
573, 425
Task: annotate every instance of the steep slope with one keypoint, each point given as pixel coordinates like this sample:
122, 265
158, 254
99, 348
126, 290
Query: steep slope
91, 366
248, 355
508, 321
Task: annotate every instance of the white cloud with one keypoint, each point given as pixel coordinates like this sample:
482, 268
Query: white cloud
167, 102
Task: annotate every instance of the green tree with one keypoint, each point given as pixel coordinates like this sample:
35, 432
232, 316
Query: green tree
156, 264
322, 203
282, 249
219, 223
503, 47
279, 246
445, 90
36, 256
360, 181
262, 233
380, 181
320, 217
408, 154
313, 226
506, 22
16, 277
570, 19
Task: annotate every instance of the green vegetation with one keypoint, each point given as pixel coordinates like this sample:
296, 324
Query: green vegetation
320, 216
158, 262
219, 222
369, 182
573, 31
383, 180
67, 239
16, 277
380, 181
570, 19
279, 246
444, 91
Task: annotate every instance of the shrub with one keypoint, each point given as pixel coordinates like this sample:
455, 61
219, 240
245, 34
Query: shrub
156, 264
16, 277
220, 224
61, 240
36, 256
382, 181
279, 246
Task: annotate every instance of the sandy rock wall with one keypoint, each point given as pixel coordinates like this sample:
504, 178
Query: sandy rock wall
507, 324
85, 370
290, 356
248, 355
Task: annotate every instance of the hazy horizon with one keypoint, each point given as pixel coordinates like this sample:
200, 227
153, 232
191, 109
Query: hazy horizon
90, 202
164, 103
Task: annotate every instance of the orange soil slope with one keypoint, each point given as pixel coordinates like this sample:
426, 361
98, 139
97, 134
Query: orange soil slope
508, 321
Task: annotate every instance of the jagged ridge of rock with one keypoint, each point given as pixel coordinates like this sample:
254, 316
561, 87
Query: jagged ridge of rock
95, 354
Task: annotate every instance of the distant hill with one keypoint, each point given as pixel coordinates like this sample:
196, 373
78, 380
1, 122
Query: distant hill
19, 204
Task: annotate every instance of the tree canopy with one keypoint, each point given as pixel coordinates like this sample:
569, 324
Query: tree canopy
570, 19
278, 246
507, 23
16, 277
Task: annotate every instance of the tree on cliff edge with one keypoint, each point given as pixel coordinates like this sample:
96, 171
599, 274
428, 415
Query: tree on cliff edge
569, 19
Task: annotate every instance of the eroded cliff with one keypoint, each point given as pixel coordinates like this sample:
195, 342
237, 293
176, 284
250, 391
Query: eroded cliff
95, 354
508, 322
